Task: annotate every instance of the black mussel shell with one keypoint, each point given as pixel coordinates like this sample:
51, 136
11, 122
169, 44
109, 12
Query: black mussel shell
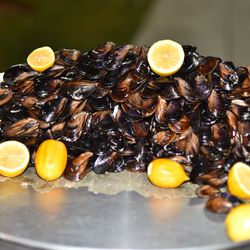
115, 59
45, 86
71, 74
203, 87
69, 56
174, 110
53, 109
185, 89
191, 60
14, 111
112, 79
101, 51
222, 203
142, 66
5, 95
78, 90
19, 72
75, 127
22, 128
77, 168
207, 64
104, 162
164, 137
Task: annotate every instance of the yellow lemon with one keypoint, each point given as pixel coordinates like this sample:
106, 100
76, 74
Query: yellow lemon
166, 57
238, 223
238, 182
14, 158
51, 159
166, 173
41, 59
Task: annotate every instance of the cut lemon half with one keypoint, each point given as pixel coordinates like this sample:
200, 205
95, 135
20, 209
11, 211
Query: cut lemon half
166, 173
238, 182
41, 59
166, 57
238, 223
14, 158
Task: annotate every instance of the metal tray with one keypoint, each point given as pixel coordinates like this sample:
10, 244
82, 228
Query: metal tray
79, 219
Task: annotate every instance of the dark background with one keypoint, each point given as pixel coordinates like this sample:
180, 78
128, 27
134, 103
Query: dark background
217, 28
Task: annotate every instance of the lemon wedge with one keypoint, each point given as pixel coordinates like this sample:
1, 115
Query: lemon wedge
41, 59
238, 182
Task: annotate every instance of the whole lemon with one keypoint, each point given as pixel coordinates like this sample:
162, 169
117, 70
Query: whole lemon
166, 173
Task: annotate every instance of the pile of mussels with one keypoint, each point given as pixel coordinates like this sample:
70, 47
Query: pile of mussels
113, 113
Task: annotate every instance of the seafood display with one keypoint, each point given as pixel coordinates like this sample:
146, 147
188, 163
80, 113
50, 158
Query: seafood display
114, 113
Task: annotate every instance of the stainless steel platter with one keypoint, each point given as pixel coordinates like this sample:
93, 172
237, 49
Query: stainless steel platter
79, 219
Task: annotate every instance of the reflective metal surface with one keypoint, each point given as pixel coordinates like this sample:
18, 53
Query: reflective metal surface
78, 219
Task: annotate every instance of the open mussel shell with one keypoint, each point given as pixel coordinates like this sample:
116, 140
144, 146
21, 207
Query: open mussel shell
101, 120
